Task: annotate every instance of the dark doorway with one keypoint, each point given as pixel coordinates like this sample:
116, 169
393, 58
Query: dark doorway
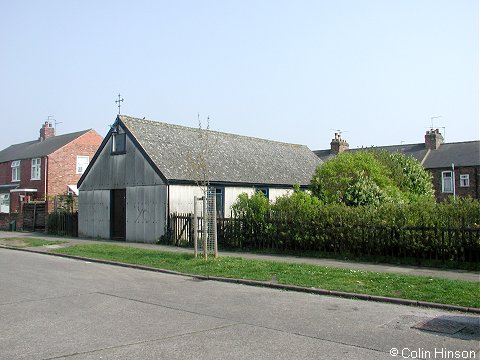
118, 214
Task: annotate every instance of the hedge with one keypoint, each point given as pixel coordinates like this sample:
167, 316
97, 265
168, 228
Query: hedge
436, 231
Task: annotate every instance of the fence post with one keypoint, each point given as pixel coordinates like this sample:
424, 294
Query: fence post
214, 223
195, 227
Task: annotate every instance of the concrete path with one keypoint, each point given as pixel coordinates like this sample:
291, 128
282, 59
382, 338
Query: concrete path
52, 307
409, 270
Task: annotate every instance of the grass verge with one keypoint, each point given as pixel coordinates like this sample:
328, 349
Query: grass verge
375, 259
444, 291
23, 242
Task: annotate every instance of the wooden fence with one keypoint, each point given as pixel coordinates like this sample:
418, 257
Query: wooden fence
422, 242
34, 216
63, 223
181, 230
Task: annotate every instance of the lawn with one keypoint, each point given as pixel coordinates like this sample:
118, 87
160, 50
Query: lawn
454, 292
24, 242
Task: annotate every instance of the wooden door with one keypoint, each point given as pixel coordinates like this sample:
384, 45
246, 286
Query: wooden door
118, 217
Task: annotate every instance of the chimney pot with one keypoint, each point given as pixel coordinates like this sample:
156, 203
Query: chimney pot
433, 139
46, 131
338, 145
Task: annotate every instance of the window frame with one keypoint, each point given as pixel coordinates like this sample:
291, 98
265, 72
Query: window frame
84, 165
36, 169
5, 208
115, 149
15, 170
220, 200
444, 190
264, 190
464, 180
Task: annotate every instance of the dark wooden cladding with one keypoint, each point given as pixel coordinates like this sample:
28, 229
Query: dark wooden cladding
118, 219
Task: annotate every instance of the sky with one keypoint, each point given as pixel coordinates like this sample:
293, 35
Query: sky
290, 71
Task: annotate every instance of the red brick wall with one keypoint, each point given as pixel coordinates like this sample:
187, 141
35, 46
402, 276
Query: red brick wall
473, 190
5, 220
25, 181
62, 163
5, 173
61, 168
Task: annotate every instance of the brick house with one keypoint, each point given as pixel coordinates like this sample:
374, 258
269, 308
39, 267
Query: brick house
40, 169
455, 167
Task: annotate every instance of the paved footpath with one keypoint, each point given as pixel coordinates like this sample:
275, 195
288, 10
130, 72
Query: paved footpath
409, 270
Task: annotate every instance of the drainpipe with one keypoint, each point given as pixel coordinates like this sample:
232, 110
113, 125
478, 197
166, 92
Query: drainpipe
453, 176
46, 180
477, 178
46, 199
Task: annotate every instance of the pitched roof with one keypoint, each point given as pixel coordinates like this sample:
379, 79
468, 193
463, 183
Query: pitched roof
324, 155
233, 158
466, 153
37, 148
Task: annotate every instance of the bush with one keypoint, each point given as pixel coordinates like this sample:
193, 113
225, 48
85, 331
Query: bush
371, 177
421, 230
250, 227
293, 216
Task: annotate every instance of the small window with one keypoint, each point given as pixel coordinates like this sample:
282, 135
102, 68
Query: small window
5, 203
263, 190
447, 181
82, 163
36, 169
464, 180
220, 204
16, 170
118, 143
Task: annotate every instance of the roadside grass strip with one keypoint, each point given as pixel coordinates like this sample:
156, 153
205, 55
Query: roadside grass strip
24, 242
419, 288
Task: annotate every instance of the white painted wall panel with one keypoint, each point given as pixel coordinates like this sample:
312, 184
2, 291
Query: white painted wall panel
274, 193
181, 198
231, 195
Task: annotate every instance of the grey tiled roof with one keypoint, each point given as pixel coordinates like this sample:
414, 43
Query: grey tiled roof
234, 158
36, 148
324, 155
466, 153
461, 154
418, 151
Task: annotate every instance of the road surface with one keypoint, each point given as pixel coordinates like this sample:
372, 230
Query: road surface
52, 307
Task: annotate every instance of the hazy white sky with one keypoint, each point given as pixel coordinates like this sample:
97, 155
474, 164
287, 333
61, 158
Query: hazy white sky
283, 70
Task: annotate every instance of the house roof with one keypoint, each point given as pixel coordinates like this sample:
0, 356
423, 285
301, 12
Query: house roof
233, 158
466, 153
324, 155
37, 148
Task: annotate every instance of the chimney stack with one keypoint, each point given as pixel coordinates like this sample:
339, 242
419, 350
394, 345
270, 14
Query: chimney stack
433, 139
338, 145
46, 131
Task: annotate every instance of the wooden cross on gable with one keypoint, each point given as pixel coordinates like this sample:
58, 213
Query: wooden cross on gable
119, 101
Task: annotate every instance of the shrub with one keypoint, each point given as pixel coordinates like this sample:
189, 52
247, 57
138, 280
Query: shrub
421, 230
250, 227
371, 177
